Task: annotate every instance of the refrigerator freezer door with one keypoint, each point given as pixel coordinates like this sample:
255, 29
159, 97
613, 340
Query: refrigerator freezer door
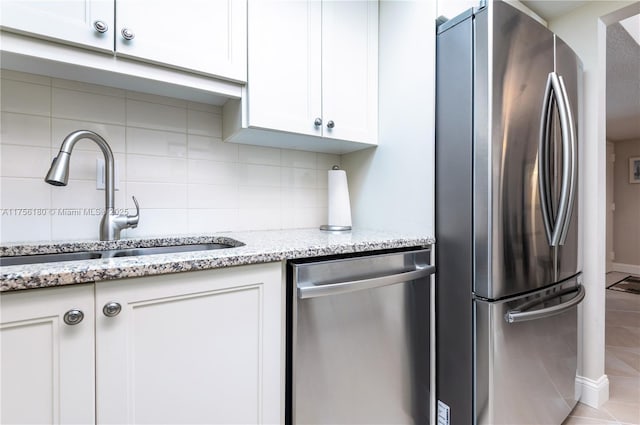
512, 254
569, 68
526, 370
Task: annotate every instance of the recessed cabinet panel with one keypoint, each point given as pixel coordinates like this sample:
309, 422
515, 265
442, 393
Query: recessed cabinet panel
198, 347
72, 21
285, 65
207, 36
47, 365
350, 70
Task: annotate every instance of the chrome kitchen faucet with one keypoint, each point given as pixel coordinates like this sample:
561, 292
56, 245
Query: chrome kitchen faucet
58, 175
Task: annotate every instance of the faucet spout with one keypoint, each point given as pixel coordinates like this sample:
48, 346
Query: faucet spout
58, 175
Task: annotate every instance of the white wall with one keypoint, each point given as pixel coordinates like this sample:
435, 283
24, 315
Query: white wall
585, 32
626, 223
392, 186
170, 157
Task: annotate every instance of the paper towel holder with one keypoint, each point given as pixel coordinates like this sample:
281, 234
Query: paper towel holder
332, 228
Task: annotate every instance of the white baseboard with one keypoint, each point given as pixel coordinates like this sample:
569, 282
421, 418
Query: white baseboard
594, 393
626, 268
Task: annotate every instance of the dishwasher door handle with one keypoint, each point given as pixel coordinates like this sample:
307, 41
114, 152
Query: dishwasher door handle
310, 290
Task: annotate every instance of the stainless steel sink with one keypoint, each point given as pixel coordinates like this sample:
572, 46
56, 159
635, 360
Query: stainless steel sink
112, 253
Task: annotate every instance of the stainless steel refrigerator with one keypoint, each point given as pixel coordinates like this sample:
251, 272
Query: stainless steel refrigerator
508, 258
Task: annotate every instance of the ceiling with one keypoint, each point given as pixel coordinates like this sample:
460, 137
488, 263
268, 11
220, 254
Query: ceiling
623, 84
550, 9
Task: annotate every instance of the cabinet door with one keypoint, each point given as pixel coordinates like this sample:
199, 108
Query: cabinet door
68, 21
205, 36
350, 70
47, 366
198, 347
285, 89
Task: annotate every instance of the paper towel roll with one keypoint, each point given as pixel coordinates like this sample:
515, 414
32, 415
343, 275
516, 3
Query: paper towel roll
339, 209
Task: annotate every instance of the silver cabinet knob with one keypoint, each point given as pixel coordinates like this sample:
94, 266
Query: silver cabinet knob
101, 26
331, 124
73, 317
111, 309
127, 34
317, 122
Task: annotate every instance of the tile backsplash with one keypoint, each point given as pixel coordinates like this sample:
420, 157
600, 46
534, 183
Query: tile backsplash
169, 155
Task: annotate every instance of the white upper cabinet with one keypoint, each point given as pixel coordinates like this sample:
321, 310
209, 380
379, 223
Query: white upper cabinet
88, 23
285, 91
207, 36
312, 74
202, 36
350, 70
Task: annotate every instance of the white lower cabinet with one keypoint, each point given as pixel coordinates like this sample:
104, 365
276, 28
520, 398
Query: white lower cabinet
47, 366
195, 347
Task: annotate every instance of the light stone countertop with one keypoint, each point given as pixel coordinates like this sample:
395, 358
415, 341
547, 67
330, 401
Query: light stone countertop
259, 247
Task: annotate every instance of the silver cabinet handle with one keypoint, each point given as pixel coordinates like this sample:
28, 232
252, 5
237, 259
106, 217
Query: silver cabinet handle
331, 124
521, 315
309, 290
73, 317
127, 34
101, 26
317, 122
111, 309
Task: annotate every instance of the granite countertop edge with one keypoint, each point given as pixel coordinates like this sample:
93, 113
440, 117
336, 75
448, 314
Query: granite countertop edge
258, 247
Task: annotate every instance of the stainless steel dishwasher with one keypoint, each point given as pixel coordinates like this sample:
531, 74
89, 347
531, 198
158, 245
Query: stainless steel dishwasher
358, 339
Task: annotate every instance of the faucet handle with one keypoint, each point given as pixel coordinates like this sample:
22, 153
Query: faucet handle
132, 220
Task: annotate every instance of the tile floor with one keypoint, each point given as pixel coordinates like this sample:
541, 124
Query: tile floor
622, 362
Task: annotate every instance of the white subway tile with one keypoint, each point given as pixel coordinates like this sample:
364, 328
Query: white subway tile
326, 161
204, 123
259, 155
26, 98
25, 193
113, 134
299, 198
258, 175
75, 227
212, 220
322, 198
213, 172
259, 218
24, 229
299, 177
159, 222
204, 107
24, 161
156, 142
156, 169
25, 130
83, 165
156, 116
211, 148
153, 98
83, 194
86, 87
83, 106
159, 195
298, 159
25, 77
260, 197
212, 196
308, 217
322, 179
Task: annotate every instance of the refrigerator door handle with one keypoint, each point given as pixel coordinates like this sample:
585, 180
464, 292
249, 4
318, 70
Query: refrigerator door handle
570, 173
543, 159
310, 290
521, 314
